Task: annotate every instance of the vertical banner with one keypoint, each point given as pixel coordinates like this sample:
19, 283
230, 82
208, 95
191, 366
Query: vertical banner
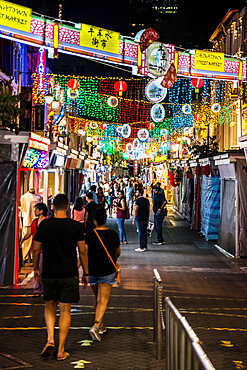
15, 16
41, 69
39, 117
99, 38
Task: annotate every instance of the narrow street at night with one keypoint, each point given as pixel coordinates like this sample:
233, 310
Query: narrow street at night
123, 184
208, 288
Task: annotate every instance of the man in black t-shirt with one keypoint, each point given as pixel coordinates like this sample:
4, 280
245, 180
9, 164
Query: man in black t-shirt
141, 216
59, 237
90, 207
159, 204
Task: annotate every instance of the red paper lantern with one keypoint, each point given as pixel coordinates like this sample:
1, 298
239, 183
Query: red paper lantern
85, 124
197, 116
151, 125
197, 82
73, 84
120, 86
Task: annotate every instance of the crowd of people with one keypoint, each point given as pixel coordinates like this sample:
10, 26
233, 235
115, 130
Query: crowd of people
62, 244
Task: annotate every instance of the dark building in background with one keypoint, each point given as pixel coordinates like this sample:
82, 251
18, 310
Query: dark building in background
185, 23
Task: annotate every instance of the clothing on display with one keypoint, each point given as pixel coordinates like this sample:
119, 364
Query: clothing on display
27, 203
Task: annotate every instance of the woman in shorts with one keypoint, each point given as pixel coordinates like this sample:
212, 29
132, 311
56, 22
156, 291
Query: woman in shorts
102, 273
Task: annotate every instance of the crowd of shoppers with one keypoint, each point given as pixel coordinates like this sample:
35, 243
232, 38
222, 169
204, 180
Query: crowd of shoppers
62, 244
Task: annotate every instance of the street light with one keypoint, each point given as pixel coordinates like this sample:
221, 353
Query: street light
49, 98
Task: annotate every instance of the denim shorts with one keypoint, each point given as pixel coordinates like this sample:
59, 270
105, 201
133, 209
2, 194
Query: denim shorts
108, 279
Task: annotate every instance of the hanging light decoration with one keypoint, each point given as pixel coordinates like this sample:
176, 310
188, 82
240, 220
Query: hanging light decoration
197, 83
72, 94
186, 109
112, 101
197, 116
73, 84
215, 108
120, 87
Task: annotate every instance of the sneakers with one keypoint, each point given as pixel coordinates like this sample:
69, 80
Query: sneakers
102, 329
141, 249
94, 332
158, 243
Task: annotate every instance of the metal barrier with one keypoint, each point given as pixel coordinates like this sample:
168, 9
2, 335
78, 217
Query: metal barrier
158, 319
183, 351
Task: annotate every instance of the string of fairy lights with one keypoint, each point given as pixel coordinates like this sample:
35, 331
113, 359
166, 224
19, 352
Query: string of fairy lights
87, 102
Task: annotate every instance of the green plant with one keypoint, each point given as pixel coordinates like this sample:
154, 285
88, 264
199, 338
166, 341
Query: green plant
9, 108
207, 148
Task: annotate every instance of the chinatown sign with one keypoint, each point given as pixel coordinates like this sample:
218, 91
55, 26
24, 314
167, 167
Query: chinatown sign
15, 16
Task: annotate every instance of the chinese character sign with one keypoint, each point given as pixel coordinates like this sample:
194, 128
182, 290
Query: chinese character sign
157, 59
15, 16
209, 61
99, 38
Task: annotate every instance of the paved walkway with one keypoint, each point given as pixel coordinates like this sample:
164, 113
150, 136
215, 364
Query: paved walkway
208, 289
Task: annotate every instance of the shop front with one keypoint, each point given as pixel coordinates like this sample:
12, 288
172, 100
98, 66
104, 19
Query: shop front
52, 179
12, 147
233, 225
33, 161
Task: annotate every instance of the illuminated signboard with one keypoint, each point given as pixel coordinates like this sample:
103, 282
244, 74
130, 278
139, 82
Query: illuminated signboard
99, 38
15, 16
59, 161
41, 69
37, 159
209, 61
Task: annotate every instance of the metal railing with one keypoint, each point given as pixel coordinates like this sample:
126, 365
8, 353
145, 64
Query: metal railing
158, 319
183, 350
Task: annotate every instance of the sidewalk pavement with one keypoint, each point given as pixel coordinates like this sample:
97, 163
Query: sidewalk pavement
208, 288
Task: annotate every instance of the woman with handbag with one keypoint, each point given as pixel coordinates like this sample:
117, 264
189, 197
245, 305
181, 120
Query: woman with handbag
103, 250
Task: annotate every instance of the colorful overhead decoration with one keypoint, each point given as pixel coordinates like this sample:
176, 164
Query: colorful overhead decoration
157, 59
146, 38
155, 125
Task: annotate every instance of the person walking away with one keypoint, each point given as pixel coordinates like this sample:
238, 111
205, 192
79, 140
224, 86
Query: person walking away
159, 203
102, 273
110, 200
141, 217
93, 191
161, 189
106, 188
129, 193
121, 216
101, 198
59, 237
79, 211
40, 211
90, 207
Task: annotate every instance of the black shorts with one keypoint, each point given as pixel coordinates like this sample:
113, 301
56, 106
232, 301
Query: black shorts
62, 290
